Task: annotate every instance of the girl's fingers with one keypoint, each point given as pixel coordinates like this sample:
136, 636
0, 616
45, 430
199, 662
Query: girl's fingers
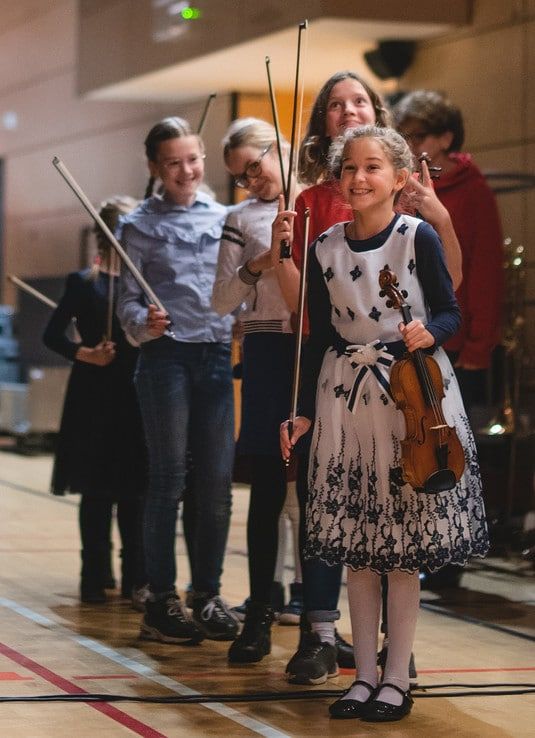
426, 177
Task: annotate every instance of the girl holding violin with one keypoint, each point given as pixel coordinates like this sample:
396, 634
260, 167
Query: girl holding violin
361, 513
346, 101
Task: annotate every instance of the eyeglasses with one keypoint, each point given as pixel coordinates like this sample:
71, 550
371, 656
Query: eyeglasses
252, 170
174, 165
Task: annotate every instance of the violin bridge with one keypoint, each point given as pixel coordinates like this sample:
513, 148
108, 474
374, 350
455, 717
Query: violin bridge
438, 427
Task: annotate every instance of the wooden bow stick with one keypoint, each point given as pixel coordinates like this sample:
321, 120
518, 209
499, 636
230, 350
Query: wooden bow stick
25, 287
127, 261
297, 117
204, 115
299, 331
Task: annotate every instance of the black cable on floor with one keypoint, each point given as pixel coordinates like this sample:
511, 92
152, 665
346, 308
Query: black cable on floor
469, 690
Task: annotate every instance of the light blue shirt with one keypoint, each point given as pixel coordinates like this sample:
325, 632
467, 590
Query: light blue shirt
176, 249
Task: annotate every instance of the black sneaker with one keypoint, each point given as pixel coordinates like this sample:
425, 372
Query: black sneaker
167, 621
254, 642
345, 654
214, 618
313, 663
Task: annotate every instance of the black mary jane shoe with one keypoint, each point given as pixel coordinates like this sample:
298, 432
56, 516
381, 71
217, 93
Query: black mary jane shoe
377, 711
344, 709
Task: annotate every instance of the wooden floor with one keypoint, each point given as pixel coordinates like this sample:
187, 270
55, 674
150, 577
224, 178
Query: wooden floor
50, 644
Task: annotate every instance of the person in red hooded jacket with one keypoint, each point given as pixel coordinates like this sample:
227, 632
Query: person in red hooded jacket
433, 124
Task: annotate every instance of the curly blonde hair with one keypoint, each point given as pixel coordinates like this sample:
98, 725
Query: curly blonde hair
392, 143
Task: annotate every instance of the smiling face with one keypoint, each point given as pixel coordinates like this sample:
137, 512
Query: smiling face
266, 183
368, 178
348, 106
180, 166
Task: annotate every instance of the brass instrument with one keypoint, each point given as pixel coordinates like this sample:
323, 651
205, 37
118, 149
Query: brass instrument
508, 421
513, 342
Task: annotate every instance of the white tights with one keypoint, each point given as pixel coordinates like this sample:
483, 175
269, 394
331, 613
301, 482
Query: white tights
364, 593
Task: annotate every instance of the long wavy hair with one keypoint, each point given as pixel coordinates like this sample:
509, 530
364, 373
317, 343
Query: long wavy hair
314, 150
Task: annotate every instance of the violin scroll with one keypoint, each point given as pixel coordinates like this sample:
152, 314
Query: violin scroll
434, 172
388, 282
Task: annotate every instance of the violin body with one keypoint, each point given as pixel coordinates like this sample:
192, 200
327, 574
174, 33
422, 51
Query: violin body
427, 454
432, 457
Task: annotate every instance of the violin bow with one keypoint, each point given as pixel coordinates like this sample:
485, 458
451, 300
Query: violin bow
297, 117
25, 287
204, 115
111, 287
276, 125
127, 261
299, 332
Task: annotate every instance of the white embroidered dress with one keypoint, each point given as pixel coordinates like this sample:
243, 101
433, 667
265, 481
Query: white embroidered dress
360, 511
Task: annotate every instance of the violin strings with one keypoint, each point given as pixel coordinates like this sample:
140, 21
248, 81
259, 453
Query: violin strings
434, 402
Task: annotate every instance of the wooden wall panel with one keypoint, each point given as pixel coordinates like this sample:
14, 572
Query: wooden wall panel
101, 142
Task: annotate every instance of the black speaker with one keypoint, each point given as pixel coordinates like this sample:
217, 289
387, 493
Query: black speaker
390, 58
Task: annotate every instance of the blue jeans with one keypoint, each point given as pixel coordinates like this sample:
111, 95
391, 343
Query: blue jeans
321, 582
186, 399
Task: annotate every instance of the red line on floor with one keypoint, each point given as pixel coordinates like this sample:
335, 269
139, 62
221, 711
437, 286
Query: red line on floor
64, 684
475, 671
10, 676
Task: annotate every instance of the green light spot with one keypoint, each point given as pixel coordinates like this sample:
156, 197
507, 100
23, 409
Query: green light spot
190, 13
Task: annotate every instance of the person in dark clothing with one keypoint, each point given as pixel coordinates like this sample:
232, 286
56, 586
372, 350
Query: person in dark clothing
100, 449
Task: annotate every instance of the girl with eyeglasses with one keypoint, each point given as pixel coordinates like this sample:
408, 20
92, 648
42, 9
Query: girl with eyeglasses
183, 381
249, 275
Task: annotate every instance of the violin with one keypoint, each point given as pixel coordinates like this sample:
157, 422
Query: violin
432, 458
434, 172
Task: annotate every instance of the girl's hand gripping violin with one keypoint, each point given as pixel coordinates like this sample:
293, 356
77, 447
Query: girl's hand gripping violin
432, 456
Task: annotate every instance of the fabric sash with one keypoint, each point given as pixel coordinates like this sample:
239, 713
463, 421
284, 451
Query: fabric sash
370, 359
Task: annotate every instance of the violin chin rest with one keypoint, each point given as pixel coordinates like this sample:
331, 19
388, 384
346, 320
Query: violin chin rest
440, 481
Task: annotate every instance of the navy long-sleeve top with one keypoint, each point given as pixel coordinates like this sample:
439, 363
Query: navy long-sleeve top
437, 288
86, 300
